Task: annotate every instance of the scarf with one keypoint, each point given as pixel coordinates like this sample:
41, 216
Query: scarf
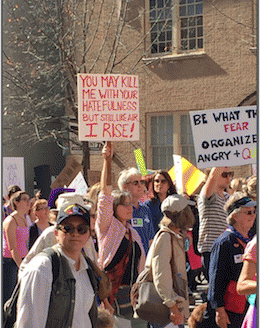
117, 272
238, 235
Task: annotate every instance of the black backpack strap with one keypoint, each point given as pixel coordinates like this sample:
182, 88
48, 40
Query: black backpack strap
33, 235
54, 257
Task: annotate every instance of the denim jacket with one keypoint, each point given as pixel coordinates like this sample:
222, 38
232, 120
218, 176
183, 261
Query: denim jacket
62, 299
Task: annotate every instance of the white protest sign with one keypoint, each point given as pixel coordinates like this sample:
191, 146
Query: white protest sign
108, 107
79, 184
13, 173
178, 173
225, 137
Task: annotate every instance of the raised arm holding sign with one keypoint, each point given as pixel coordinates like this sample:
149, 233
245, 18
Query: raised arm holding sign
212, 216
107, 153
117, 239
218, 180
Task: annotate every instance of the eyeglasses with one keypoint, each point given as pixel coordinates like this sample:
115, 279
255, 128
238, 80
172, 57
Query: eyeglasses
248, 212
163, 181
137, 182
82, 229
227, 174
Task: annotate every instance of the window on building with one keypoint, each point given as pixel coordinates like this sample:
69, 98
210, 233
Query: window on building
176, 25
169, 134
162, 141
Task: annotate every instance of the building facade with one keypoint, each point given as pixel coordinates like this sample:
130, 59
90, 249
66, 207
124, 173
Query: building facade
197, 55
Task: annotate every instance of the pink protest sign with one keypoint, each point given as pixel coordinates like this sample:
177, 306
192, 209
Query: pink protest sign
108, 107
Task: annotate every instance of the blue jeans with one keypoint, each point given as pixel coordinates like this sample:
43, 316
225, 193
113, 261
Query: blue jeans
10, 272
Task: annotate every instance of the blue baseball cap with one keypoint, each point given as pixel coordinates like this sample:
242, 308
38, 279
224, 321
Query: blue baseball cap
242, 202
69, 210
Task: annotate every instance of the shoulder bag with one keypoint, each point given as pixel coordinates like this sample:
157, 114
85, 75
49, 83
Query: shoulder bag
146, 302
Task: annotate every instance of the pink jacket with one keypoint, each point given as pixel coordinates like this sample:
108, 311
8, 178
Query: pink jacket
110, 233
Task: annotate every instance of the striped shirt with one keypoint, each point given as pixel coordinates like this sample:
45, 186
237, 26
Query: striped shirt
212, 218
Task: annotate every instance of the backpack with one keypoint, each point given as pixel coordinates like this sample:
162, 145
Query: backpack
10, 306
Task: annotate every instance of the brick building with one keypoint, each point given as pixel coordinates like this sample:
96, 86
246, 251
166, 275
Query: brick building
197, 55
189, 55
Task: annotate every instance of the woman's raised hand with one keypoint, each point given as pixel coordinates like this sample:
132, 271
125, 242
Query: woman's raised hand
108, 150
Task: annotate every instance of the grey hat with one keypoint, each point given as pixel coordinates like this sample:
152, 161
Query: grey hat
69, 198
175, 203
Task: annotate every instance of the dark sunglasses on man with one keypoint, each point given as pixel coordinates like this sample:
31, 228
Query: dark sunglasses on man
82, 229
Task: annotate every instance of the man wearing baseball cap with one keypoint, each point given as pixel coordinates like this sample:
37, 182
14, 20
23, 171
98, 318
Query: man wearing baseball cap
68, 300
48, 239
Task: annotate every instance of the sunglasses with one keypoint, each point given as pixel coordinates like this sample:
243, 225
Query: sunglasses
227, 174
82, 229
163, 181
239, 203
136, 182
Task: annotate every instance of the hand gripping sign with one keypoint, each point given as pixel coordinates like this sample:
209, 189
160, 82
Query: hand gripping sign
225, 137
108, 107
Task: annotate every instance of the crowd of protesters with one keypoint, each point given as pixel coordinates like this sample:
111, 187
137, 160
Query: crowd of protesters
144, 224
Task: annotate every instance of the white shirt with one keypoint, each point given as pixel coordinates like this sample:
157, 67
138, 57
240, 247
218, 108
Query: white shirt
35, 290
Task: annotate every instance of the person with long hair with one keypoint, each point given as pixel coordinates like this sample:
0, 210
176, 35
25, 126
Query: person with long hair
15, 236
162, 187
121, 253
7, 209
41, 211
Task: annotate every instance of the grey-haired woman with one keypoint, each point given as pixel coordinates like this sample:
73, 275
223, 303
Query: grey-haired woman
225, 307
